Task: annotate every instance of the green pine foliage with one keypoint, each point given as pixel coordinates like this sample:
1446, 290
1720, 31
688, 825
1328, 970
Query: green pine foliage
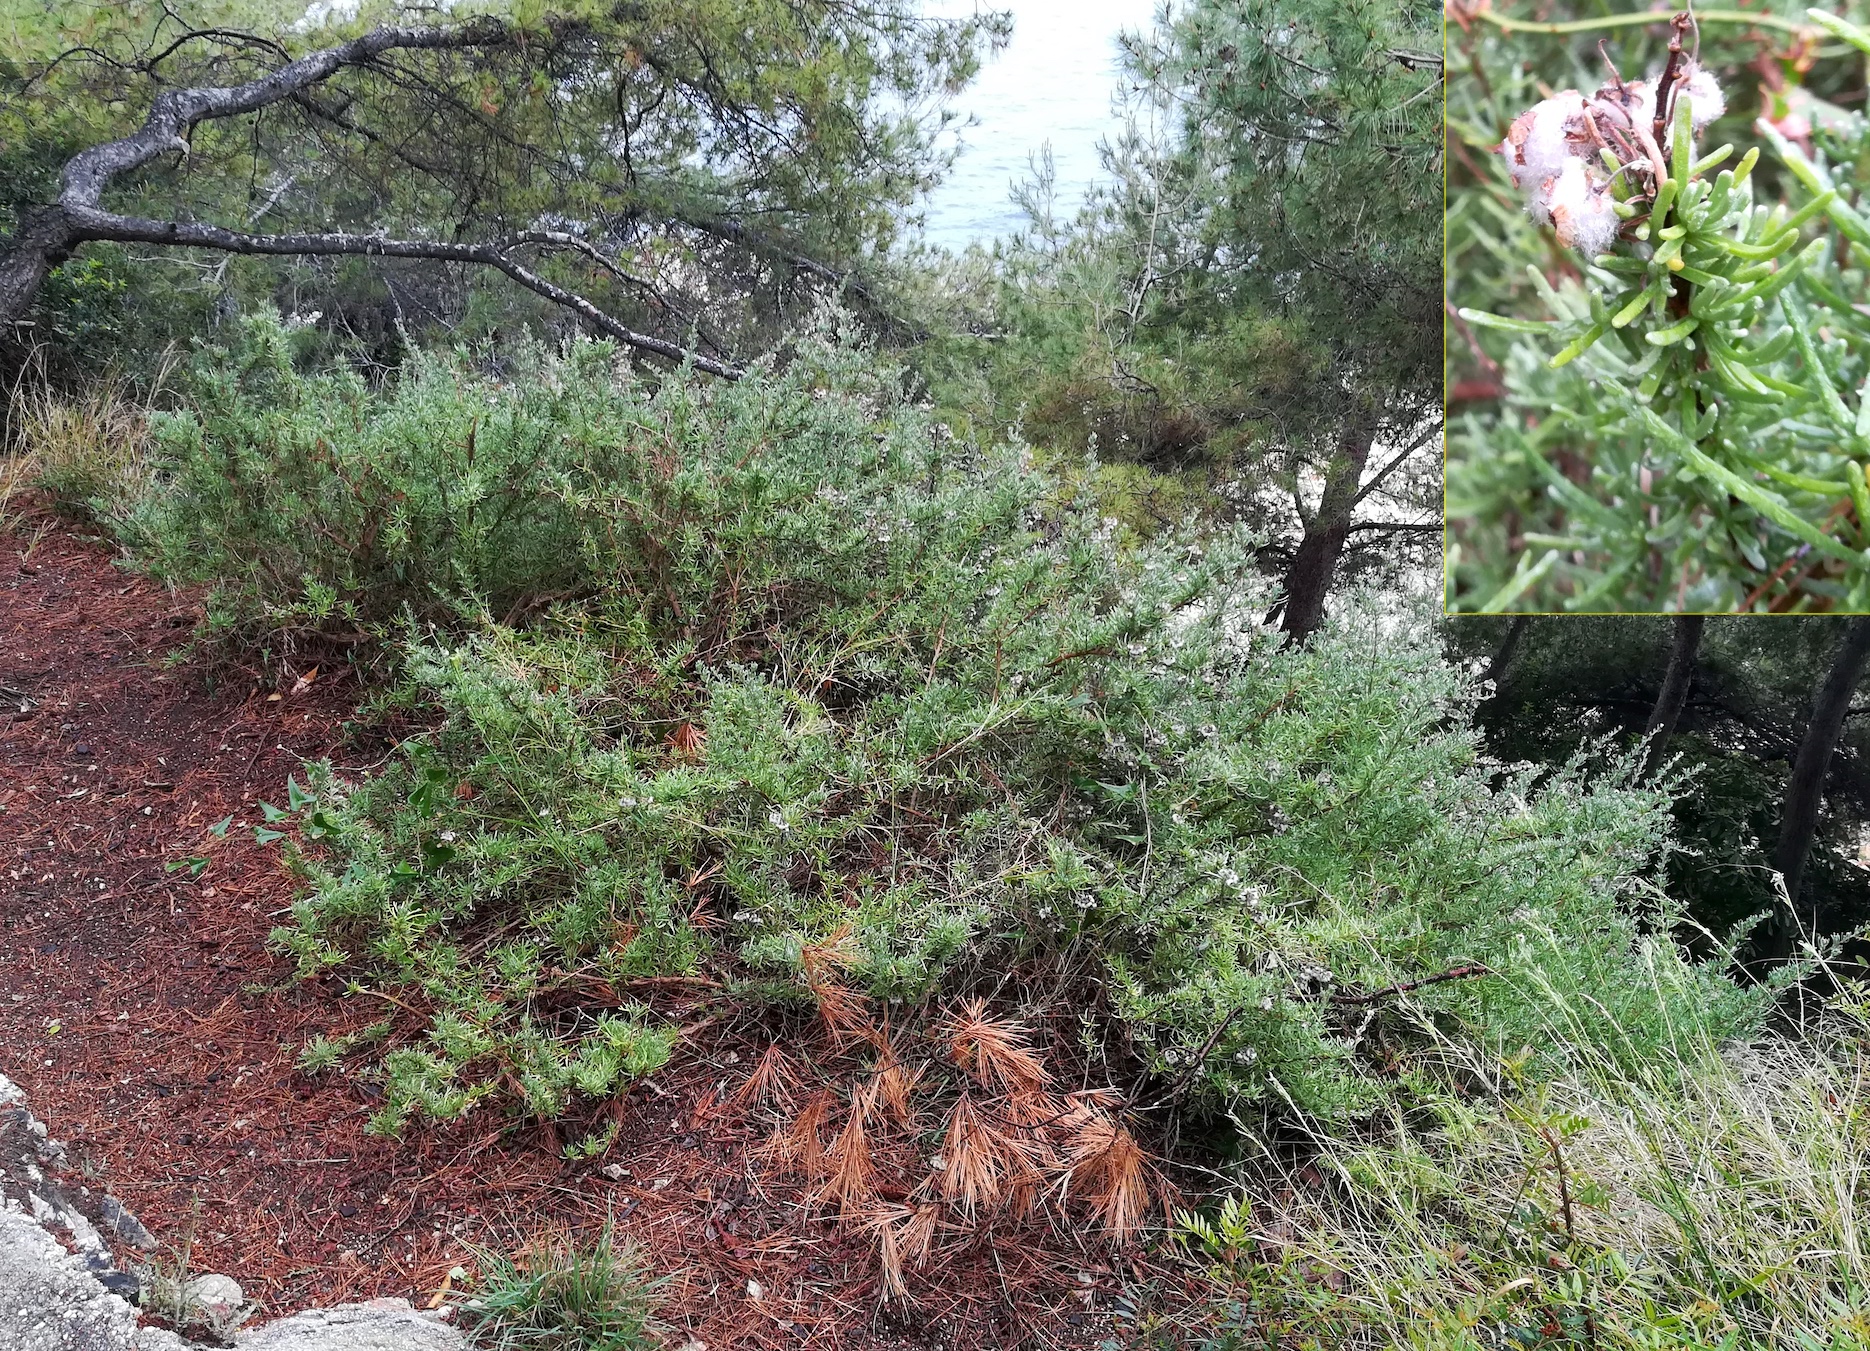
814, 680
1200, 334
1685, 428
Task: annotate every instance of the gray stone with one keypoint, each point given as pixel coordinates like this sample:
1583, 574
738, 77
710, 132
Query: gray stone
380, 1325
121, 1283
125, 1225
83, 1233
55, 1300
49, 1302
220, 1297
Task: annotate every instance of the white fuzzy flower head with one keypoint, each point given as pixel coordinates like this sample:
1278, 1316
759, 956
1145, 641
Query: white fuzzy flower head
1580, 208
1554, 151
1551, 154
1705, 100
1538, 145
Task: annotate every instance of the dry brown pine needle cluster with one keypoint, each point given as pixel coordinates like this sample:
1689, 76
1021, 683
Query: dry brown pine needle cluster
1007, 1148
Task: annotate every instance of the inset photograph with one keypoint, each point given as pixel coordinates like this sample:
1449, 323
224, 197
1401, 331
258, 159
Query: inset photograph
1657, 317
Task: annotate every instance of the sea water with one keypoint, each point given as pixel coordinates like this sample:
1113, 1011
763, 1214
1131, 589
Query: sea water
1052, 85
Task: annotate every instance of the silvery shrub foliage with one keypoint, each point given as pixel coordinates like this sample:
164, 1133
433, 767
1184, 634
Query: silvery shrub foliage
816, 690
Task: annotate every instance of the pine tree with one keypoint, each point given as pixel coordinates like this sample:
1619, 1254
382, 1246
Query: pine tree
615, 161
1310, 156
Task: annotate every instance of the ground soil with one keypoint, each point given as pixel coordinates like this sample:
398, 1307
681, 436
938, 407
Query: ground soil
155, 1031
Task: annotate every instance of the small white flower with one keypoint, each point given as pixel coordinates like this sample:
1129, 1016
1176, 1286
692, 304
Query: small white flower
1705, 100
1581, 209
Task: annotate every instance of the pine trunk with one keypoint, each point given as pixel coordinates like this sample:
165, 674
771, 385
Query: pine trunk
1805, 793
43, 242
1503, 656
1315, 564
1684, 644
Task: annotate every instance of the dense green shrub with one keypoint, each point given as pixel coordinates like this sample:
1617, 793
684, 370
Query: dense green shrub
841, 693
312, 500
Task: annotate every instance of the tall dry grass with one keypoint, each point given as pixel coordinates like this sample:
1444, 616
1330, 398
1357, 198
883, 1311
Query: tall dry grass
87, 453
1716, 1198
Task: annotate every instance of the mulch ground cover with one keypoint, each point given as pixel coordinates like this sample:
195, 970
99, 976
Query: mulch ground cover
156, 1033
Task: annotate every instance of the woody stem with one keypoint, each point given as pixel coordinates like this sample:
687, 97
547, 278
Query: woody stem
1665, 87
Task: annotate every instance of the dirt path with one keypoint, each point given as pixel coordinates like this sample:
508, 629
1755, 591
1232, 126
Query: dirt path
144, 1015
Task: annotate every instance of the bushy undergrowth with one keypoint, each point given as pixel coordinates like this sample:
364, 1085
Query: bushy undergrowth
1716, 1203
314, 501
795, 683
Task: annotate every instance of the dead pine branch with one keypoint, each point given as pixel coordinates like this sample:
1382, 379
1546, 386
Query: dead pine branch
996, 1052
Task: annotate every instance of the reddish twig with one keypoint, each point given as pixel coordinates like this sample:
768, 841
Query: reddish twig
1665, 86
1467, 972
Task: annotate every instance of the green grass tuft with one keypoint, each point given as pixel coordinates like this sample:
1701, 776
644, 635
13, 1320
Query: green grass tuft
563, 1296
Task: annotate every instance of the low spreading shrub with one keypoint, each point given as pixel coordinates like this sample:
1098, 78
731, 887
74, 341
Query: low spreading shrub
792, 676
311, 501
